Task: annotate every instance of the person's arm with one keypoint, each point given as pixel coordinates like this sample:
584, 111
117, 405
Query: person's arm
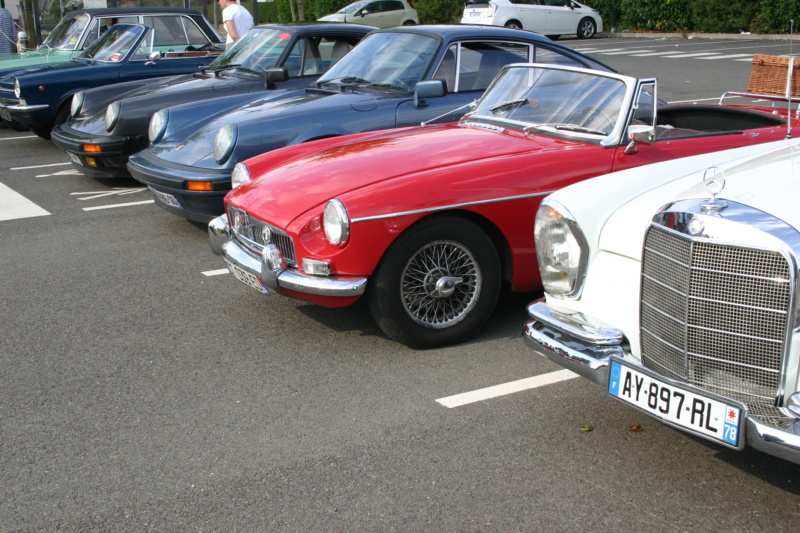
231, 28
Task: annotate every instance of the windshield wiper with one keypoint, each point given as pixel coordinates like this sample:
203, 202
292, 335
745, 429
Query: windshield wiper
566, 127
509, 104
345, 80
249, 70
390, 86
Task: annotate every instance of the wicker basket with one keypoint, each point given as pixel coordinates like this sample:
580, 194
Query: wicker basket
768, 75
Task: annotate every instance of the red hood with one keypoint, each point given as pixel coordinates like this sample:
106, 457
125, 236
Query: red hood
291, 188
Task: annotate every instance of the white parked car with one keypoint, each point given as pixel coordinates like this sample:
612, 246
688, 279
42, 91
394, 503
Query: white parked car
549, 17
378, 13
675, 286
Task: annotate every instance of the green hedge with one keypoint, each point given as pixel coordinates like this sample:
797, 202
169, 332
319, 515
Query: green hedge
713, 16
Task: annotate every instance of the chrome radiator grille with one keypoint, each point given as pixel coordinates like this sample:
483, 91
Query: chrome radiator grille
256, 234
715, 316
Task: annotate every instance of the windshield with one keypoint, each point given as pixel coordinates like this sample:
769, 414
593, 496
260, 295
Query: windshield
67, 34
352, 8
257, 51
384, 59
554, 100
115, 44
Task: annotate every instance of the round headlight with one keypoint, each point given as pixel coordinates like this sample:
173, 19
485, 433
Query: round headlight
240, 175
112, 115
77, 103
158, 125
336, 223
561, 250
224, 143
17, 91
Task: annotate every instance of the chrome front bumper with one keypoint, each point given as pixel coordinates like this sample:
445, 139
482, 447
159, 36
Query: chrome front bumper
572, 341
271, 267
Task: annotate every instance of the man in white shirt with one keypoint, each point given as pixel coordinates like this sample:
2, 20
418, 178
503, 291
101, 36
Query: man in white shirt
237, 20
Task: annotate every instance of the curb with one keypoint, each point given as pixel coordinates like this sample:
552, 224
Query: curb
693, 35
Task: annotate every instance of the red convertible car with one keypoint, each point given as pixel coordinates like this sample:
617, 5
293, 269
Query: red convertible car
428, 222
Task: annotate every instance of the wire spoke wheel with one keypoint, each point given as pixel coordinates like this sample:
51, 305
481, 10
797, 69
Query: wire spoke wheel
440, 284
437, 283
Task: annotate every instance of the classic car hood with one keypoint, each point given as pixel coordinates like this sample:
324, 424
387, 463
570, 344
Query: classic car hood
347, 168
266, 119
639, 193
61, 66
34, 57
148, 96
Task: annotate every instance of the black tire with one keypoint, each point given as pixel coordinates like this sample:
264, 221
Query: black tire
514, 24
44, 133
422, 301
62, 115
586, 28
409, 23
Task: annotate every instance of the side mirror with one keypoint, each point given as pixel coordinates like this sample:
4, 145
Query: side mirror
152, 57
428, 89
273, 76
639, 134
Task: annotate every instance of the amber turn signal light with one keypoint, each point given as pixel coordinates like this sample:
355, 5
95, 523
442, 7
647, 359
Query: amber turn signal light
199, 186
94, 148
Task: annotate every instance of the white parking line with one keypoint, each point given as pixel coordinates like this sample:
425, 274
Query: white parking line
112, 206
215, 272
506, 388
696, 54
41, 166
656, 54
632, 52
13, 205
729, 56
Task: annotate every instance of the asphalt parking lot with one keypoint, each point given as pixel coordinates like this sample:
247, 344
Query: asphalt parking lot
143, 389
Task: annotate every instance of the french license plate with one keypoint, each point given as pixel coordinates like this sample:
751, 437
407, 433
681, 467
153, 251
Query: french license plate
75, 159
715, 419
167, 198
247, 278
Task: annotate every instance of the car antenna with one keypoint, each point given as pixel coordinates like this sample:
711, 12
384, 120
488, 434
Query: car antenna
423, 124
789, 84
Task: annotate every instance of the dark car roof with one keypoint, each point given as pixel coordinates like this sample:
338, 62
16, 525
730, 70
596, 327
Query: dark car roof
134, 11
460, 31
312, 27
478, 31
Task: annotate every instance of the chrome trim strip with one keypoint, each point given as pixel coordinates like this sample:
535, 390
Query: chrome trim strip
575, 325
446, 207
27, 107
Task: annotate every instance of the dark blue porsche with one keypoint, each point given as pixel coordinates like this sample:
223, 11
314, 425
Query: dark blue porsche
109, 124
394, 77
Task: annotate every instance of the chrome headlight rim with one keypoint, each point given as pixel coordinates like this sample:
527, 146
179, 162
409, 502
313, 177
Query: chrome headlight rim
17, 88
112, 115
562, 277
336, 223
224, 142
240, 175
77, 103
158, 125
